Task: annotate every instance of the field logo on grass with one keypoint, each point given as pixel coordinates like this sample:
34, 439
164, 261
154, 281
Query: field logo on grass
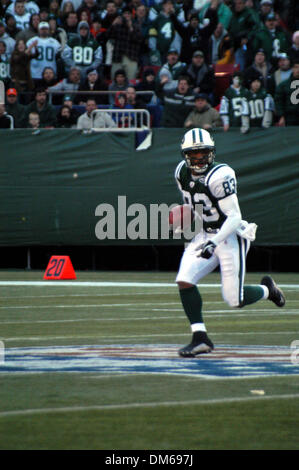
136, 221
2, 353
295, 352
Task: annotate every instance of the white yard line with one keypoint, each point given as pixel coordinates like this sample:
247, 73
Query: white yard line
142, 304
76, 320
125, 337
229, 312
124, 294
150, 318
111, 284
138, 307
90, 284
128, 406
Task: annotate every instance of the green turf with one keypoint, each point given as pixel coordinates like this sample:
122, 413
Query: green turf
77, 315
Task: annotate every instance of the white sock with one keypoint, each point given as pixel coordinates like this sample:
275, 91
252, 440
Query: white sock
266, 291
198, 327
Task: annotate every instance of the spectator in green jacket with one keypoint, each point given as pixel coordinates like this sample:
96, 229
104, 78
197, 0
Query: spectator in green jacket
223, 11
287, 99
243, 25
272, 39
46, 111
242, 21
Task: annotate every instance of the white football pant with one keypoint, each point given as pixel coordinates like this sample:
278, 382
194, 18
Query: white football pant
230, 255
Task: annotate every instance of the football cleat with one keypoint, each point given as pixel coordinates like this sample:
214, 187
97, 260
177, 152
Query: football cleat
275, 294
200, 344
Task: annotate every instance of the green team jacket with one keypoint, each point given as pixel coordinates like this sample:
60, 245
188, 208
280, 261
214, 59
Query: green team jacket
257, 104
272, 45
47, 114
232, 105
242, 25
287, 101
82, 52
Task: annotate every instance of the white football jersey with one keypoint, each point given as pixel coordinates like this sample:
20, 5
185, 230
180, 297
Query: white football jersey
48, 48
22, 22
4, 66
30, 7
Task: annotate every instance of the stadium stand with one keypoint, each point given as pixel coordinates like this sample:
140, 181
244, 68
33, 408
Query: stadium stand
34, 37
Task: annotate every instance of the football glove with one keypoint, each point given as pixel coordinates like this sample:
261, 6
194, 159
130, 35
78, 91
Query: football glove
207, 250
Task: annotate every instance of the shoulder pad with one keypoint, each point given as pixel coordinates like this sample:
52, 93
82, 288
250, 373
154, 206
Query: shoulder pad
211, 174
178, 169
221, 181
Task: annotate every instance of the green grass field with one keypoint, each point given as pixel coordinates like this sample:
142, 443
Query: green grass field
95, 366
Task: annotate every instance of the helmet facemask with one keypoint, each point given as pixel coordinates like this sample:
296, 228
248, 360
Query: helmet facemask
199, 160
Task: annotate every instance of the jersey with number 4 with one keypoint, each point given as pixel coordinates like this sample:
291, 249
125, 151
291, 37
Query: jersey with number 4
207, 190
47, 51
163, 30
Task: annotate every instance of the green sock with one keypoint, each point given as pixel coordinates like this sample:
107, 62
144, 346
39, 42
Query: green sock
252, 294
192, 303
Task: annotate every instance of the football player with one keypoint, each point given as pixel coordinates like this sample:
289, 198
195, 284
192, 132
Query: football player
224, 240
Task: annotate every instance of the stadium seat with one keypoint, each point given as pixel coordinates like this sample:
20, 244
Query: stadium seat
155, 68
223, 74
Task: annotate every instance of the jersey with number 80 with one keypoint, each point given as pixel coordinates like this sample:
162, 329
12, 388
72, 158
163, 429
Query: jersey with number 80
207, 190
47, 51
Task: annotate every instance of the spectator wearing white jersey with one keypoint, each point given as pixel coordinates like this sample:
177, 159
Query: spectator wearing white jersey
32, 29
48, 49
20, 14
4, 63
30, 7
10, 42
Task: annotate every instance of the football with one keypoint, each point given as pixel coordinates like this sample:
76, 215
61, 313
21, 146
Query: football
180, 217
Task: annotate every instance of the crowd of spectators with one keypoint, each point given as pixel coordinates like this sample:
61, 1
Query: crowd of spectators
62, 59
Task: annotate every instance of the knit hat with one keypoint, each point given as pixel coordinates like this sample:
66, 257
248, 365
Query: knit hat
202, 96
83, 24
